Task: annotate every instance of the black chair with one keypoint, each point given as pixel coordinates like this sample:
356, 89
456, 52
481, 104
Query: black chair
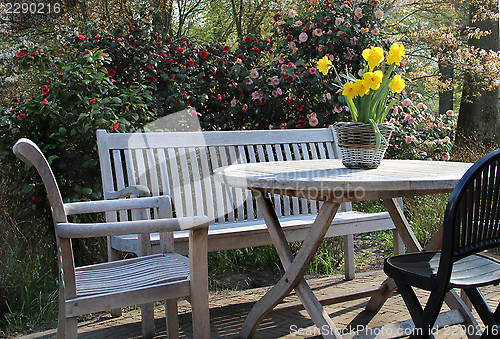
471, 225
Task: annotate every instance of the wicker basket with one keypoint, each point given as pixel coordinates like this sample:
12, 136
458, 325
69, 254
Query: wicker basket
357, 143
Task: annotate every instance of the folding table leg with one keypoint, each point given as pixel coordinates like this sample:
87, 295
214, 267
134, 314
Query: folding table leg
294, 270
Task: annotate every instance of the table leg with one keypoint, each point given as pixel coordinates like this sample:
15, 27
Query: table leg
294, 270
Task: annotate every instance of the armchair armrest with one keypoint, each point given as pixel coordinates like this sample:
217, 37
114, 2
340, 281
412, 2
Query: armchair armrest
92, 230
115, 205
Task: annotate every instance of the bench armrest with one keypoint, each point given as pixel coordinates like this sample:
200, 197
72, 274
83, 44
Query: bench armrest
92, 230
116, 205
135, 190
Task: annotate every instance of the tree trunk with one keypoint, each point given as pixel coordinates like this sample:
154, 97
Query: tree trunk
479, 115
446, 75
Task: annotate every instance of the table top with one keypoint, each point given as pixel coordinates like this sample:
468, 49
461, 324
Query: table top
330, 180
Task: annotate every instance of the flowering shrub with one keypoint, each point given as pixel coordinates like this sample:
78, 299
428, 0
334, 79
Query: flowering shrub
420, 134
63, 117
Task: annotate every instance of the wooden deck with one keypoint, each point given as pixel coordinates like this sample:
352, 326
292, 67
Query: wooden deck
229, 308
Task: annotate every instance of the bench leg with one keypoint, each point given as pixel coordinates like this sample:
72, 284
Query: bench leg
172, 315
349, 269
148, 320
112, 256
397, 243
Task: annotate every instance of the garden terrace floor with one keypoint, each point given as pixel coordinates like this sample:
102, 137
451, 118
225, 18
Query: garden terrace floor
229, 308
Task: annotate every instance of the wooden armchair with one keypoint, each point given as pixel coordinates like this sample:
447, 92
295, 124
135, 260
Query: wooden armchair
165, 276
471, 225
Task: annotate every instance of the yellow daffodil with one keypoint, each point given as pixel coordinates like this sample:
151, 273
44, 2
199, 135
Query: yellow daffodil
349, 90
324, 65
361, 88
374, 56
397, 84
373, 79
396, 54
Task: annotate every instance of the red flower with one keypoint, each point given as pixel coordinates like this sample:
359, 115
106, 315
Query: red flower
151, 79
35, 199
256, 49
111, 72
248, 38
163, 55
93, 101
133, 42
45, 90
116, 125
80, 37
16, 100
22, 115
21, 54
276, 17
35, 53
170, 62
219, 97
180, 49
104, 56
328, 3
203, 54
44, 102
88, 52
174, 77
299, 107
190, 62
227, 48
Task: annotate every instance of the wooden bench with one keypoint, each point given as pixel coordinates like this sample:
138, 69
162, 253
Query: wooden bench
180, 164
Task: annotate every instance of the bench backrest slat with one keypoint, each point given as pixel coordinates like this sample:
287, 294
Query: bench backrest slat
181, 164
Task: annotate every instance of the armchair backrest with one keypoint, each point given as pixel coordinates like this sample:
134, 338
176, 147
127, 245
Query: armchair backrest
472, 217
29, 152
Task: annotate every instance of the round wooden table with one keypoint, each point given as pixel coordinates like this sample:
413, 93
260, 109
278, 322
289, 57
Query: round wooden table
329, 181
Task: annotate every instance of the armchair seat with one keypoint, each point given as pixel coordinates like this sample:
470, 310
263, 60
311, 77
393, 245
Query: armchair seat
421, 268
131, 274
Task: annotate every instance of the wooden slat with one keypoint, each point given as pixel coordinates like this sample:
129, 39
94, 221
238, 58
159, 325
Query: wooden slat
299, 156
176, 189
207, 184
295, 200
285, 199
120, 184
195, 170
219, 195
247, 193
238, 192
314, 155
186, 182
152, 170
164, 173
217, 138
228, 190
253, 159
276, 197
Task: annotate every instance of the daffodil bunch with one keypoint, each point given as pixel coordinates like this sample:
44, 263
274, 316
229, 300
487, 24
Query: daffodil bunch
367, 97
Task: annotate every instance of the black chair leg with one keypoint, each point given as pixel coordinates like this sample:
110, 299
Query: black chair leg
490, 319
423, 319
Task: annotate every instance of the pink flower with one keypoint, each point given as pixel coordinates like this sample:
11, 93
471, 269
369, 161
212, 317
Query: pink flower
318, 32
44, 101
233, 103
410, 138
245, 107
303, 37
80, 37
35, 53
93, 101
275, 81
313, 121
254, 74
45, 90
22, 115
450, 113
445, 156
406, 102
421, 105
21, 54
339, 20
292, 45
116, 125
411, 121
337, 109
312, 70
256, 95
379, 14
358, 12
375, 31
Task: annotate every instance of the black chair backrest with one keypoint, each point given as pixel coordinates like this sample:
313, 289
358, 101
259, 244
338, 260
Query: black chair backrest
471, 221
